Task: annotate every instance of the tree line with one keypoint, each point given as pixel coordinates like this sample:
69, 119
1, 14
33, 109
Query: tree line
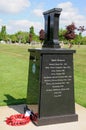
18, 37
66, 35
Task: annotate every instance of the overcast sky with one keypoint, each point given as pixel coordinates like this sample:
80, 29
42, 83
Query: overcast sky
20, 15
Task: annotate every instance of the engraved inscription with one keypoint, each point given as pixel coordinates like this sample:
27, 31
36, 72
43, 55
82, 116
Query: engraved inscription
58, 75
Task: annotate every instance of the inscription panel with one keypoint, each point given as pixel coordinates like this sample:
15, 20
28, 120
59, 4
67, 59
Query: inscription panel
57, 96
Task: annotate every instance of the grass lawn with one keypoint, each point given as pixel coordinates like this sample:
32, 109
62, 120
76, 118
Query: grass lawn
80, 75
14, 74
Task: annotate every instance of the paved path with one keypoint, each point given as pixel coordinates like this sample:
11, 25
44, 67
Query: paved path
7, 111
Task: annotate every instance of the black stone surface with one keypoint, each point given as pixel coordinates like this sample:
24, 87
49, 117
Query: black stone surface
52, 28
52, 79
57, 85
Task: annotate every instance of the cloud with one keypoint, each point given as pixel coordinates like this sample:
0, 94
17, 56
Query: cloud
70, 14
13, 6
23, 25
38, 12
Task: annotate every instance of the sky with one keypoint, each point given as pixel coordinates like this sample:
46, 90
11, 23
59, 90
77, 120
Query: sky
20, 15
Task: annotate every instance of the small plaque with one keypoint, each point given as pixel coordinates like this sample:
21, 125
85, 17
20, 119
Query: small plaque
34, 68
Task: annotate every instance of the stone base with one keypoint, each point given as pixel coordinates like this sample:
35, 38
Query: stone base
56, 120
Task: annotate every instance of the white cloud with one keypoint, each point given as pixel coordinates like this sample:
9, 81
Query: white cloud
23, 25
70, 14
13, 6
38, 12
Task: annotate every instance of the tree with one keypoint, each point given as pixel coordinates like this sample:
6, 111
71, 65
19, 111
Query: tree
22, 37
81, 29
41, 35
3, 34
70, 32
19, 36
61, 34
13, 38
30, 38
31, 34
31, 30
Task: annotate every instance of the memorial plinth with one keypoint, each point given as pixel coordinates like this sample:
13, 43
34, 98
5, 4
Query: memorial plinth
51, 85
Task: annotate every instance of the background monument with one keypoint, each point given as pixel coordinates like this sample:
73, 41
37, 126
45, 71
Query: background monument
51, 77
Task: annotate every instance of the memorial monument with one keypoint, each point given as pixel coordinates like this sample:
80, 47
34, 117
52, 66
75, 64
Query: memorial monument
51, 77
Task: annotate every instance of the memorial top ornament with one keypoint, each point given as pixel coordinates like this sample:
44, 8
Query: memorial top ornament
52, 28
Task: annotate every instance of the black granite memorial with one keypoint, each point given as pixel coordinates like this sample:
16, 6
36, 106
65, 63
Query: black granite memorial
50, 91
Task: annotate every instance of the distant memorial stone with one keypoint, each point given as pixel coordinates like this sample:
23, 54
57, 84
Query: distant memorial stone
51, 80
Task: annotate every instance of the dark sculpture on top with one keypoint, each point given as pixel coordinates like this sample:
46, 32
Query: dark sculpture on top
52, 28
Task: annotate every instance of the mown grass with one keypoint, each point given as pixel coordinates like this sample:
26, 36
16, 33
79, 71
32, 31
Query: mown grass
14, 74
80, 75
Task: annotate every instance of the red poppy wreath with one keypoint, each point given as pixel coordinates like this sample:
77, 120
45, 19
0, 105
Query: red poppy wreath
18, 120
